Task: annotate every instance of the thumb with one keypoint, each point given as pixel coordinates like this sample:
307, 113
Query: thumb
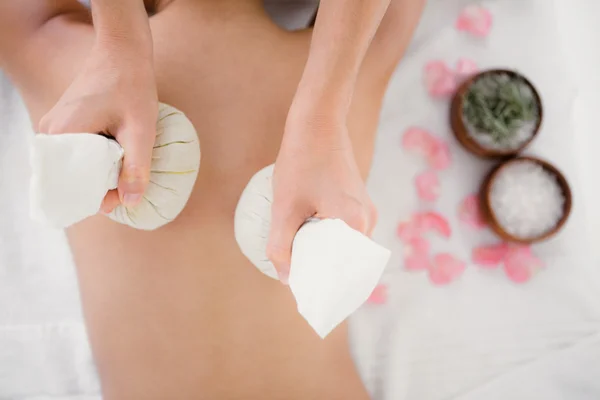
284, 225
137, 140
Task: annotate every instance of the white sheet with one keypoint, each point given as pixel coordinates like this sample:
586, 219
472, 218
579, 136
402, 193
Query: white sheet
453, 342
480, 338
43, 345
578, 27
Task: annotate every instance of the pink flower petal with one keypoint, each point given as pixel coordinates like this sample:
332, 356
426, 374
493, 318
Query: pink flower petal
490, 256
428, 221
520, 264
439, 155
417, 262
406, 231
517, 273
469, 212
417, 245
428, 186
416, 254
445, 268
418, 139
439, 79
378, 296
434, 149
475, 20
465, 67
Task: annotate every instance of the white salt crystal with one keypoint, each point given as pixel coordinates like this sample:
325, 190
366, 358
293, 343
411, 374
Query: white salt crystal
526, 199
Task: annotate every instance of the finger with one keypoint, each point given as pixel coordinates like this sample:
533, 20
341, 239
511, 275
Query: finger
356, 216
78, 117
110, 201
137, 141
285, 223
373, 217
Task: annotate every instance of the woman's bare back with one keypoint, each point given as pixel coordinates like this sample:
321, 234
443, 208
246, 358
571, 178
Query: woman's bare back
179, 313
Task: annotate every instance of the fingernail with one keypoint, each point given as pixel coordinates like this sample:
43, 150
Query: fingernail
130, 199
284, 276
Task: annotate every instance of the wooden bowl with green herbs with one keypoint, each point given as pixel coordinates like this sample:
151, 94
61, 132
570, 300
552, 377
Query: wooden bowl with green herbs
496, 113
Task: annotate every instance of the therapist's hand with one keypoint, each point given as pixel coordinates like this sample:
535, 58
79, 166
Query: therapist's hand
114, 93
315, 172
315, 176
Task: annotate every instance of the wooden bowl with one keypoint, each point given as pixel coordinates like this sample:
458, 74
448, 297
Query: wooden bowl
492, 220
460, 130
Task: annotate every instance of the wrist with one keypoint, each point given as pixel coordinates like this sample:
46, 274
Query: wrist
319, 91
325, 103
310, 109
122, 26
316, 126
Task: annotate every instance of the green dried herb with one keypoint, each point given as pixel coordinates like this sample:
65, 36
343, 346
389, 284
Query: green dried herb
499, 106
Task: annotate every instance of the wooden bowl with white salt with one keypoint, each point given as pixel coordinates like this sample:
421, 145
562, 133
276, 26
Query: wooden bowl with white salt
526, 200
496, 113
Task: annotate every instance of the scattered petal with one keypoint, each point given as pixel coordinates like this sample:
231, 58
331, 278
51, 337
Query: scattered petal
439, 79
433, 221
417, 139
490, 256
520, 264
434, 149
445, 268
417, 262
428, 186
406, 231
378, 296
416, 254
475, 20
465, 68
417, 245
469, 212
517, 273
439, 155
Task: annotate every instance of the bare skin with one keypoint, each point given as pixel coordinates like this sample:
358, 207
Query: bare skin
179, 313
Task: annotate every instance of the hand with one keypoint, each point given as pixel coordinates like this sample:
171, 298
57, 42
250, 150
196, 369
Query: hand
115, 93
315, 176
